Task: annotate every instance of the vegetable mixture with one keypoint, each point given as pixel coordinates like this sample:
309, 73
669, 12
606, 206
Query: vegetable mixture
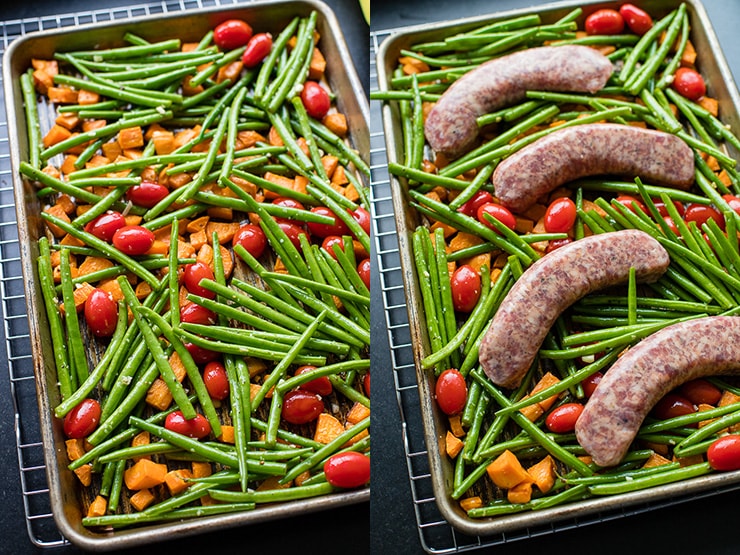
514, 449
205, 272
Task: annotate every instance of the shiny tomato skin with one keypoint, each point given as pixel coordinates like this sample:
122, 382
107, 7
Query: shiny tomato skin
689, 83
362, 217
301, 407
147, 193
700, 213
315, 99
288, 202
589, 384
258, 48
604, 22
293, 232
321, 385
349, 469
231, 34
501, 213
366, 384
562, 419
133, 240
560, 215
638, 21
252, 238
556, 244
466, 287
216, 380
672, 405
724, 453
192, 277
660, 205
631, 202
196, 314
101, 313
201, 355
324, 230
672, 225
363, 269
82, 420
197, 427
328, 244
733, 201
451, 391
105, 226
470, 208
700, 391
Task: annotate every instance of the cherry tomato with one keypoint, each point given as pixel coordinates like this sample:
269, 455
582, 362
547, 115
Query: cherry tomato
700, 391
589, 384
196, 314
660, 205
197, 427
366, 384
315, 99
672, 405
501, 213
465, 285
724, 453
604, 22
470, 208
321, 385
556, 244
631, 203
147, 193
252, 238
700, 213
362, 217
324, 230
133, 239
201, 355
638, 21
560, 215
101, 313
347, 470
231, 34
671, 225
328, 244
288, 202
105, 226
258, 48
562, 419
293, 232
216, 381
82, 420
363, 268
451, 391
689, 83
193, 275
733, 201
301, 407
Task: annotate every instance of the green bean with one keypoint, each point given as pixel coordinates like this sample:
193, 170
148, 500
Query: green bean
126, 52
269, 63
647, 39
667, 477
271, 496
33, 127
77, 358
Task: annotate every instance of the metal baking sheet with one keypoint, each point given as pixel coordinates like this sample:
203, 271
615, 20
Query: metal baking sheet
64, 488
722, 87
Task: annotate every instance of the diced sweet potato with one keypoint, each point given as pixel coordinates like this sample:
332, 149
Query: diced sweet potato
201, 469
142, 499
56, 134
543, 474
75, 448
520, 493
144, 474
227, 434
655, 459
506, 471
456, 425
327, 428
176, 480
468, 503
336, 123
84, 474
97, 507
131, 137
317, 66
453, 445
357, 413
93, 264
87, 97
62, 95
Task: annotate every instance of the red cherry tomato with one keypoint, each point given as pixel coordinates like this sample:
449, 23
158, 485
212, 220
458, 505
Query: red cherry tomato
324, 230
347, 470
560, 215
589, 384
363, 269
147, 193
724, 453
82, 420
604, 22
366, 384
315, 99
671, 225
562, 419
328, 244
556, 244
638, 21
201, 355
701, 391
465, 285
197, 427
451, 391
105, 226
293, 232
672, 405
288, 202
501, 213
700, 213
660, 205
252, 238
631, 203
362, 217
133, 239
196, 314
193, 275
258, 48
301, 407
321, 385
689, 83
231, 34
101, 313
216, 381
733, 201
470, 208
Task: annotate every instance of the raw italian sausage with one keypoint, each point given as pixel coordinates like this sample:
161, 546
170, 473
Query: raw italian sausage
553, 283
592, 149
636, 382
451, 126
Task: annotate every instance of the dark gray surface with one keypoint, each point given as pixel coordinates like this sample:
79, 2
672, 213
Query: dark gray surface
698, 527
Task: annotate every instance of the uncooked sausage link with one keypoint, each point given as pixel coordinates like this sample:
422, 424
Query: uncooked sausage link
636, 382
555, 282
592, 149
451, 126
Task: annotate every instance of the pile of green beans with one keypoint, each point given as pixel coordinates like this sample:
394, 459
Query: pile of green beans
313, 309
702, 278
